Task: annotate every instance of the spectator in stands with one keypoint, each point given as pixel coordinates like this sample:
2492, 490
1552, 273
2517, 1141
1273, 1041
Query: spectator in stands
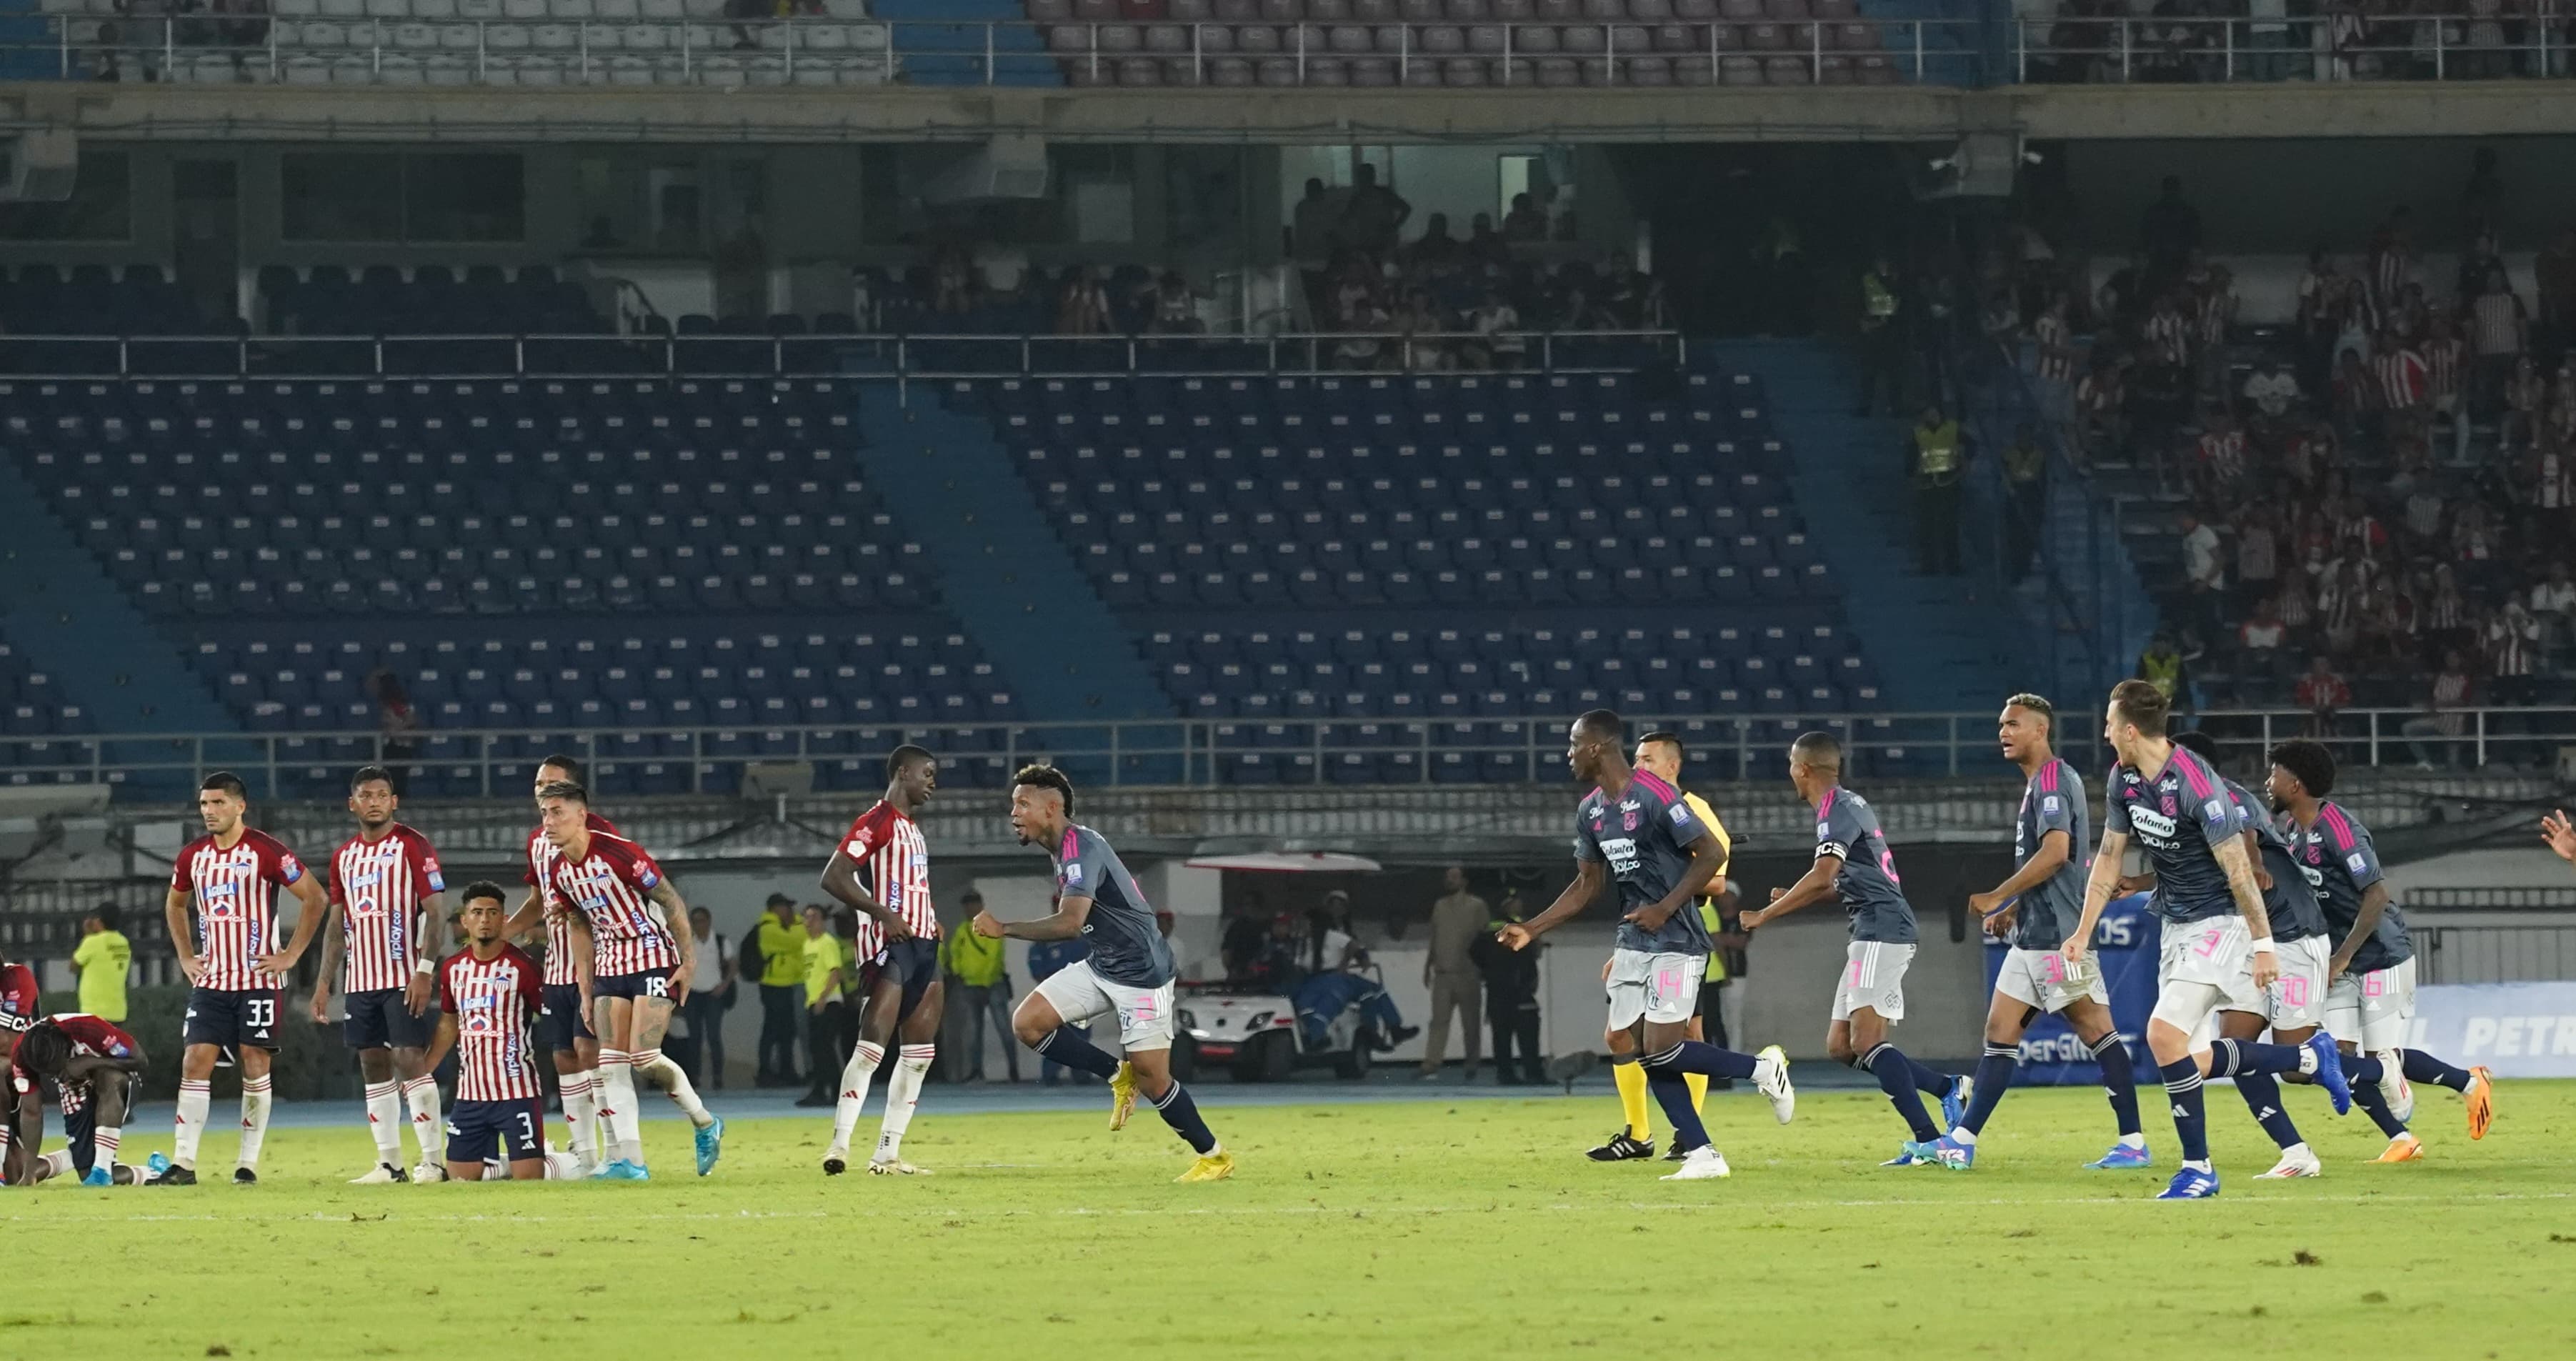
1882, 338
2499, 330
1499, 343
105, 957
979, 987
2263, 649
2554, 271
2449, 691
2161, 665
2324, 695
782, 972
2204, 569
2169, 229
2513, 650
1082, 306
2258, 555
1314, 236
1937, 459
1434, 249
1458, 919
2553, 603
2101, 408
710, 993
1526, 223
2445, 378
2025, 464
1170, 308
830, 969
2272, 390
1374, 216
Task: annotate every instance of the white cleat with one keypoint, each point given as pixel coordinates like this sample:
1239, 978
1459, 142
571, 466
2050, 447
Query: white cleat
1703, 1163
562, 1166
1784, 1098
2294, 1163
429, 1172
382, 1174
2394, 1086
895, 1167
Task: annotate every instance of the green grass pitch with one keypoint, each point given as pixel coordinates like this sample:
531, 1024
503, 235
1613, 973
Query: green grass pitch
1430, 1228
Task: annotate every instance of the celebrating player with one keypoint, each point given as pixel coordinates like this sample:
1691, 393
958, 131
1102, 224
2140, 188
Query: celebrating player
2174, 804
234, 965
631, 940
489, 993
2033, 910
1635, 827
96, 1067
565, 1025
385, 904
2370, 992
1852, 861
900, 931
1128, 970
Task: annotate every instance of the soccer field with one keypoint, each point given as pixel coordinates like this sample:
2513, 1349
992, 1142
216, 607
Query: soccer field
1397, 1228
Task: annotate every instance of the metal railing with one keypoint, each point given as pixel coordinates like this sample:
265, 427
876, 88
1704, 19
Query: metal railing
2327, 48
913, 357
1185, 753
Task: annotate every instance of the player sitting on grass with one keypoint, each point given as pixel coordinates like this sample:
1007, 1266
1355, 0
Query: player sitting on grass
489, 995
96, 1067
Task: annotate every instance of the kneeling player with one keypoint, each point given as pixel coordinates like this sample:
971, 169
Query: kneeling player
489, 995
96, 1067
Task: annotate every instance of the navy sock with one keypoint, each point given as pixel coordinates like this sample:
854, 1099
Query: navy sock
1896, 1078
1699, 1056
2361, 1068
2423, 1067
1182, 1114
1673, 1094
1926, 1080
2182, 1084
2231, 1058
2119, 1081
2374, 1103
1074, 1050
2263, 1097
1994, 1078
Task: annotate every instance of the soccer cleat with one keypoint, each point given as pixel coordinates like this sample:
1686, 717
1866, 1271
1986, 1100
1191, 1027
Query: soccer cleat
1122, 1095
429, 1172
1912, 1154
1784, 1098
894, 1167
243, 1176
2405, 1148
1622, 1148
98, 1176
1952, 1154
382, 1174
1703, 1163
1954, 1103
2330, 1071
1674, 1153
2293, 1165
171, 1174
710, 1145
835, 1164
2190, 1184
157, 1164
2480, 1095
622, 1170
1215, 1166
2394, 1086
2121, 1158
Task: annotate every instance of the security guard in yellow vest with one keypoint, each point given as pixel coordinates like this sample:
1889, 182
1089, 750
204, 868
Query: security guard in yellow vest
1938, 461
1882, 338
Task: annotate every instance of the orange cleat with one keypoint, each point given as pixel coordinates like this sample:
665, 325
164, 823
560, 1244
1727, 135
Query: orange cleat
2405, 1148
2481, 1099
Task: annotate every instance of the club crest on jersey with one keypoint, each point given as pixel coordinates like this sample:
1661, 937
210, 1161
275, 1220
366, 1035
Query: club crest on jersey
2171, 808
1628, 816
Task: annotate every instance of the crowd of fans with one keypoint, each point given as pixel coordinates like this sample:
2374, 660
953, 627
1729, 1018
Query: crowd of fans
2215, 40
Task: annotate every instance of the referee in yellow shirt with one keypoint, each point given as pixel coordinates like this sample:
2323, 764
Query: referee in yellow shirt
1661, 752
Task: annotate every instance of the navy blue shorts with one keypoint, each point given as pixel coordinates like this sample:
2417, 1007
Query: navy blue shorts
562, 1021
233, 1019
634, 986
513, 1131
912, 964
380, 1019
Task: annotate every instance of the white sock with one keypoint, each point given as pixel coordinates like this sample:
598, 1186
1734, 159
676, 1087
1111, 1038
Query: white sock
55, 1164
2307, 1061
254, 1120
103, 1145
854, 1093
903, 1092
625, 1125
2138, 1140
651, 1065
384, 1121
2296, 1151
421, 1093
2201, 1165
194, 1097
579, 1103
1964, 1136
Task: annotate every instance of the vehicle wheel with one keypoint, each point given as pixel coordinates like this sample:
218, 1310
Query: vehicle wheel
1185, 1058
1353, 1064
1278, 1057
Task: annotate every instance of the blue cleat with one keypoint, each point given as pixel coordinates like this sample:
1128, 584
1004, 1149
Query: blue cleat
157, 1164
710, 1146
98, 1176
622, 1170
2191, 1184
2121, 1158
1952, 1154
1954, 1103
1912, 1154
2330, 1071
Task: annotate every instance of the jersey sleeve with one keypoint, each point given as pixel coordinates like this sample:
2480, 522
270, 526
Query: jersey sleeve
279, 863
1585, 846
1078, 875
183, 878
331, 886
446, 994
2054, 810
424, 865
18, 1000
1684, 823
1837, 829
861, 840
2115, 811
637, 868
532, 989
2219, 812
2352, 846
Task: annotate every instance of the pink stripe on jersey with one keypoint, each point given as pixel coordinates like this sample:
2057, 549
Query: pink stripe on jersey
2048, 777
379, 886
2337, 824
2202, 783
236, 901
1655, 784
1070, 846
492, 1001
1827, 804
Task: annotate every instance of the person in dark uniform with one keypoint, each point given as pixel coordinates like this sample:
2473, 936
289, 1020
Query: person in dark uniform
1511, 996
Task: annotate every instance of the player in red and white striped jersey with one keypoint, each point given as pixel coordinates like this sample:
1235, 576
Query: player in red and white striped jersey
94, 1066
898, 930
565, 1025
489, 996
636, 966
233, 960
387, 897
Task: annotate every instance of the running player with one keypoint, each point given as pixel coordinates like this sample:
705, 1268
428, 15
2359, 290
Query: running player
1853, 862
1635, 827
632, 946
1128, 970
234, 965
488, 995
2370, 989
1661, 753
565, 1026
386, 895
2033, 910
96, 1068
2192, 831
899, 931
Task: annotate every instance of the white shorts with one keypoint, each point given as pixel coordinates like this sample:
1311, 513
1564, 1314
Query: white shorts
1873, 977
2204, 966
2372, 1009
1662, 987
1079, 996
2297, 999
2039, 978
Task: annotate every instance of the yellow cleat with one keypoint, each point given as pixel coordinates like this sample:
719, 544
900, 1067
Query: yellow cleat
1215, 1166
2481, 1099
2405, 1148
1122, 1095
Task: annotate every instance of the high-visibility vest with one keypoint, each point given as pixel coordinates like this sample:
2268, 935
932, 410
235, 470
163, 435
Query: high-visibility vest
1880, 299
1936, 449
